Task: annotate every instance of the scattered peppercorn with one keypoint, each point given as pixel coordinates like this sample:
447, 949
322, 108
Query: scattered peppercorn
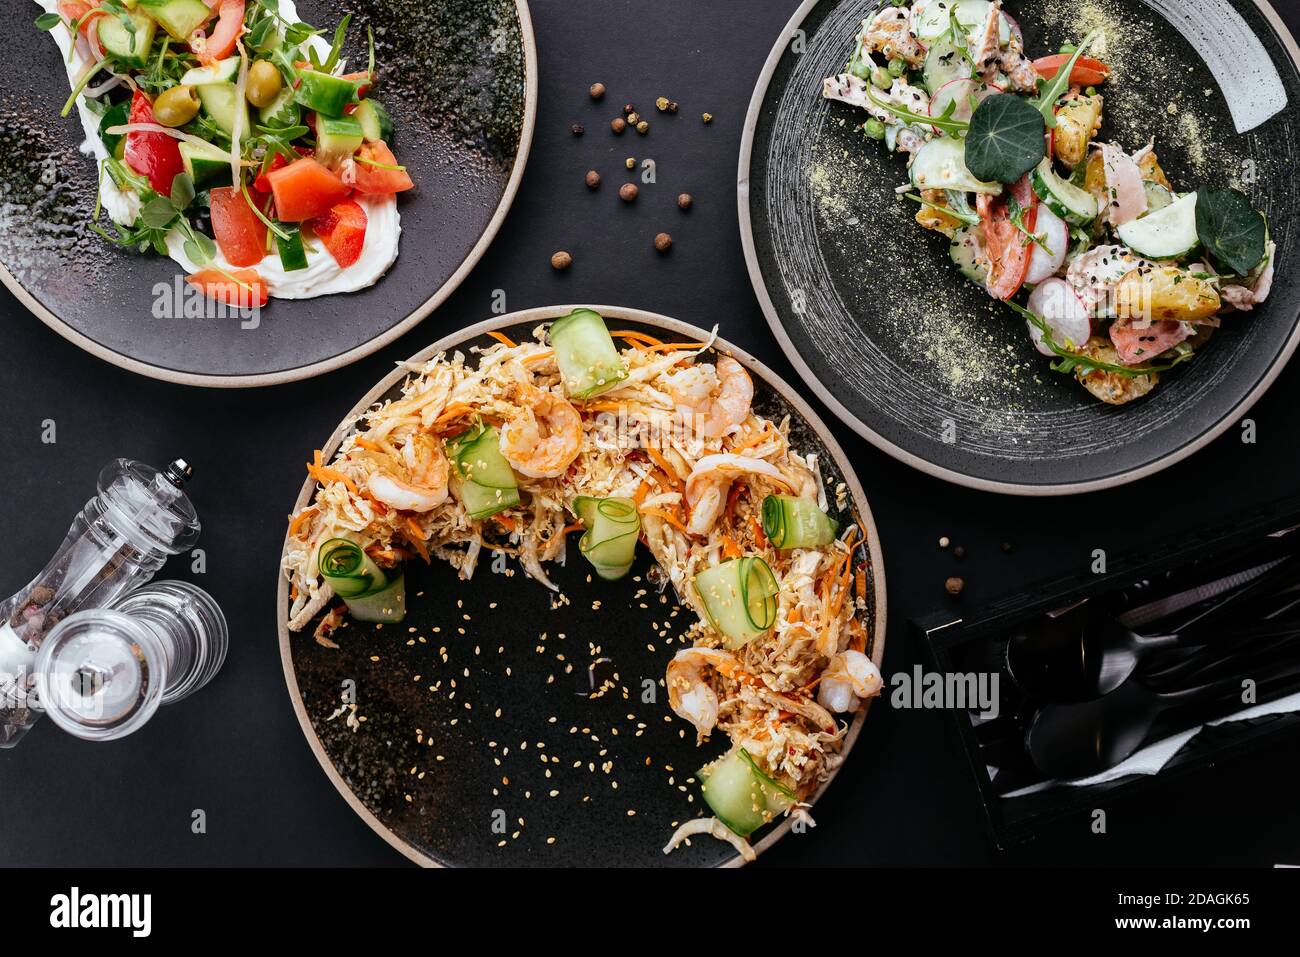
959, 551
618, 124
661, 104
684, 201
672, 106
577, 129
597, 91
633, 118
628, 108
1006, 546
593, 179
630, 162
954, 586
561, 261
708, 117
663, 242
643, 127
628, 192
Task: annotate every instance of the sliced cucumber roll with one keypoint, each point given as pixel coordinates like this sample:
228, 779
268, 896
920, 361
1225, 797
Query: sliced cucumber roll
589, 363
740, 599
1168, 233
1074, 205
740, 795
369, 594
792, 522
481, 478
613, 527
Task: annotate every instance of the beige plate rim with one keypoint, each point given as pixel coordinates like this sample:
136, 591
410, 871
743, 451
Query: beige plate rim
852, 421
366, 348
545, 314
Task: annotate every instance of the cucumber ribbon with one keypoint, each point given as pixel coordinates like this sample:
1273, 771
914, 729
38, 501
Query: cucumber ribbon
739, 598
791, 522
369, 594
613, 527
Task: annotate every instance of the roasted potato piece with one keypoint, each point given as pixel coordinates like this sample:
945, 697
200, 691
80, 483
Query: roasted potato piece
937, 219
1152, 172
1077, 121
1165, 293
1113, 388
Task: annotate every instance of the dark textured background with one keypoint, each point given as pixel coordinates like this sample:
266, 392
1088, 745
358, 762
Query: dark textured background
235, 749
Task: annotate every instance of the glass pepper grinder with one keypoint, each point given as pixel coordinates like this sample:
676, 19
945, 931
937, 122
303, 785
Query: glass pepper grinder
118, 542
102, 673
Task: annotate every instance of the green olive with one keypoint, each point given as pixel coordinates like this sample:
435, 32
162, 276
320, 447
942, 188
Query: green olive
263, 83
177, 106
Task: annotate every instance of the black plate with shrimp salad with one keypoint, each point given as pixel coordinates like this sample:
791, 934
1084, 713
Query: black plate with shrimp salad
1038, 246
582, 586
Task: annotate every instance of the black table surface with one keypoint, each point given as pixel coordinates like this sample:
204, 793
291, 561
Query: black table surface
235, 751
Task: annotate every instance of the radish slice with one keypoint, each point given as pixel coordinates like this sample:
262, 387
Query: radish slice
1128, 195
1065, 314
960, 92
1055, 235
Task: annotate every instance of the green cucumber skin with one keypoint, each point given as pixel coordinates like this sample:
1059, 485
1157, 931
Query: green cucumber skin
221, 102
180, 18
585, 352
482, 501
1043, 189
1177, 220
386, 606
116, 39
283, 111
203, 165
740, 795
478, 460
374, 121
293, 254
337, 138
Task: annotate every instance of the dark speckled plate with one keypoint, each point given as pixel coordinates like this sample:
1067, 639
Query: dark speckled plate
869, 309
457, 758
458, 77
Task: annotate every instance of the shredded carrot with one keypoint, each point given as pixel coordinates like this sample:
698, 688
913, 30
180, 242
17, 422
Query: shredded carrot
506, 522
729, 547
324, 474
676, 346
504, 339
732, 497
859, 640
641, 492
453, 411
538, 356
293, 592
670, 519
363, 443
637, 337
604, 407
662, 462
760, 537
575, 527
296, 521
751, 440
416, 537
796, 615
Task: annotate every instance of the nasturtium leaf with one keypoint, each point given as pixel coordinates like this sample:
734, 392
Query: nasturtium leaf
1233, 231
1006, 139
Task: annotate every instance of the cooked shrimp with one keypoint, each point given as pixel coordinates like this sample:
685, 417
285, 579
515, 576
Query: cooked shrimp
712, 399
689, 693
708, 484
544, 436
849, 677
424, 487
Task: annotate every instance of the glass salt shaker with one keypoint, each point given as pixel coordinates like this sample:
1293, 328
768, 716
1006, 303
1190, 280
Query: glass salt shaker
102, 673
118, 542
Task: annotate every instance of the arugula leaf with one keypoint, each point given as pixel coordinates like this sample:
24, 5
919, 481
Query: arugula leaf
963, 216
48, 21
1069, 360
1046, 102
1006, 139
944, 123
1234, 232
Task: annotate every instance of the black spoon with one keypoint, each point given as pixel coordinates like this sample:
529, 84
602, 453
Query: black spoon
1083, 654
1079, 740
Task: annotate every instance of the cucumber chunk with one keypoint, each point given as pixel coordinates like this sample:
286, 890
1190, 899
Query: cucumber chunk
1168, 233
337, 138
204, 163
944, 63
223, 71
386, 606
293, 254
967, 253
1074, 205
282, 112
740, 795
130, 47
584, 351
374, 120
481, 478
222, 103
739, 598
180, 18
325, 94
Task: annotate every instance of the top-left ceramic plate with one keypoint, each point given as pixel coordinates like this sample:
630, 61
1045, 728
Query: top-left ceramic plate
460, 80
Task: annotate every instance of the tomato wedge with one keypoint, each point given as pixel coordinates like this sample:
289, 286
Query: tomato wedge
242, 288
305, 189
153, 155
240, 235
218, 46
343, 231
1009, 250
376, 180
1086, 72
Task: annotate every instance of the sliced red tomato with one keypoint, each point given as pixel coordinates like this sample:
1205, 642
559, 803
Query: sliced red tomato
1008, 248
263, 185
304, 189
240, 235
153, 155
378, 180
218, 46
343, 231
243, 288
1086, 72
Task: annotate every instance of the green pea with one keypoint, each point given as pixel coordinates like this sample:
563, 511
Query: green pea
880, 77
874, 129
1068, 48
1091, 91
897, 67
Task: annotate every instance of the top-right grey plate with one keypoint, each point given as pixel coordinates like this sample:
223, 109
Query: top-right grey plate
923, 364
